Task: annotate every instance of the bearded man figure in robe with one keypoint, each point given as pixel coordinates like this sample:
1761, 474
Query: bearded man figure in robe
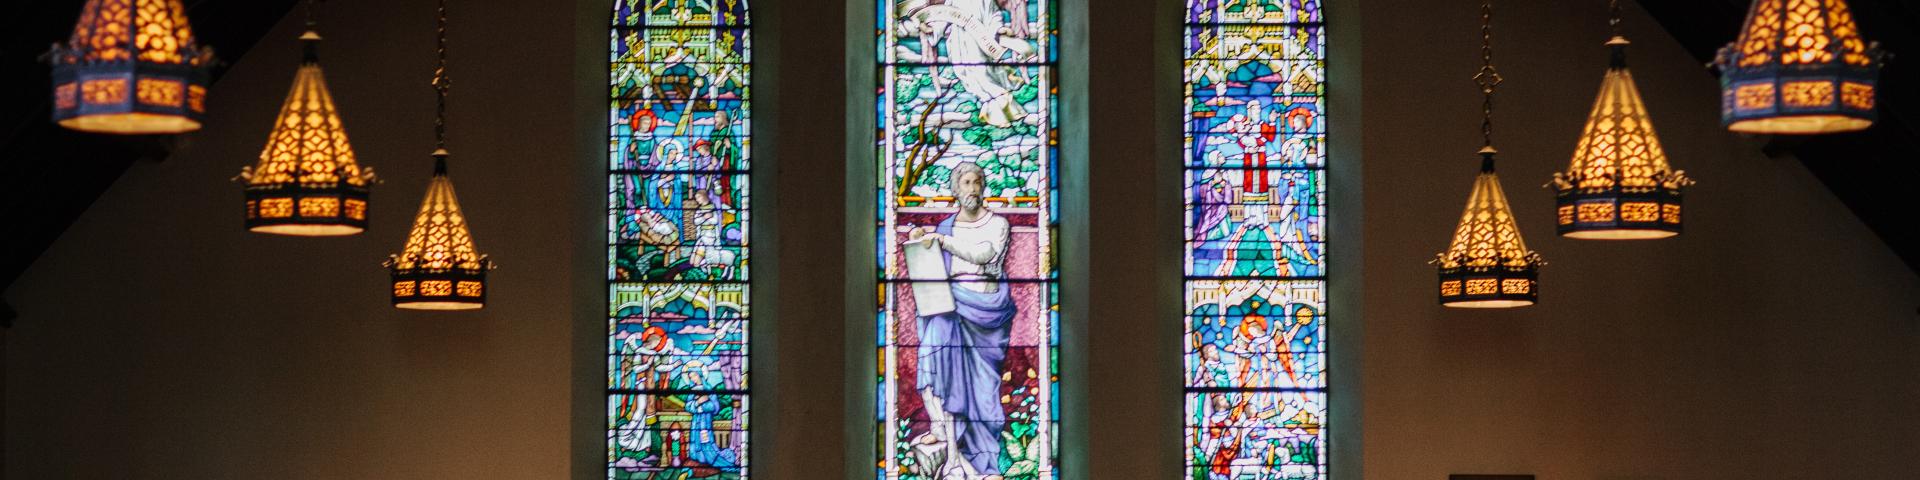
962, 352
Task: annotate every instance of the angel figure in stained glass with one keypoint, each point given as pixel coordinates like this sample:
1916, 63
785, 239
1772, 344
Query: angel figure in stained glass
1253, 344
971, 35
1295, 336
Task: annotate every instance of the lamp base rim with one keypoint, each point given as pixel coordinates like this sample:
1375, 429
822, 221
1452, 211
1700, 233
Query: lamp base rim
131, 123
1620, 234
1488, 304
439, 305
309, 230
1806, 124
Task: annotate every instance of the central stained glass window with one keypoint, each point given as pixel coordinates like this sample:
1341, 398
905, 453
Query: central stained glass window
1256, 308
677, 240
966, 218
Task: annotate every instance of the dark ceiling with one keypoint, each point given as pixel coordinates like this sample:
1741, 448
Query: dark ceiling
1867, 170
51, 175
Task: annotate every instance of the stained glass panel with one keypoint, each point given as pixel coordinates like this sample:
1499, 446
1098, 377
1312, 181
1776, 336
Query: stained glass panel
677, 229
1257, 435
966, 214
671, 436
1256, 316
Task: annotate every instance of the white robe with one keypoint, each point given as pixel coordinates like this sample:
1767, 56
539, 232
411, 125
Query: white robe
979, 249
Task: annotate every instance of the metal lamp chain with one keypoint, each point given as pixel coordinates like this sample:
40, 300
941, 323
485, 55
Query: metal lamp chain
1488, 77
441, 84
1613, 19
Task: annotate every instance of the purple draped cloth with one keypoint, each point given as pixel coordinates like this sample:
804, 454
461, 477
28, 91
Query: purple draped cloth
961, 357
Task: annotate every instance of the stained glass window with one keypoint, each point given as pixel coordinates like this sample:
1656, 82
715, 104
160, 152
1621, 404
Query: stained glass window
1256, 308
966, 216
677, 217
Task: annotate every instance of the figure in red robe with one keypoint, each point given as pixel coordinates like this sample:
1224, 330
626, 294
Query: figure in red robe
1221, 425
1255, 133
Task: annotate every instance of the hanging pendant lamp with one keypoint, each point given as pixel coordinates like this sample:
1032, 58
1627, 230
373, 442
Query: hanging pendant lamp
1619, 185
131, 67
439, 268
307, 182
1799, 67
1488, 264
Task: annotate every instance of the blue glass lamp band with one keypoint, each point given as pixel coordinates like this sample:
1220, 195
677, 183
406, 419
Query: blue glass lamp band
1619, 209
70, 80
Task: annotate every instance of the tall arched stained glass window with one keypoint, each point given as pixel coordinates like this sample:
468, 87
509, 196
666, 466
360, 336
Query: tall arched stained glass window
1256, 313
966, 221
677, 240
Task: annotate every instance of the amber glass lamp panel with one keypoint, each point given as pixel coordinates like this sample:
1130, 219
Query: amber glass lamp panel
131, 67
1799, 67
439, 269
307, 182
1619, 185
1488, 265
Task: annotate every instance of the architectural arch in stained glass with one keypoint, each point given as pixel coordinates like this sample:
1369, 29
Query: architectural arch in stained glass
966, 215
677, 252
1256, 306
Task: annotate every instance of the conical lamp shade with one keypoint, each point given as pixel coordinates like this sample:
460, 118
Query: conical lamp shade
307, 182
131, 67
1619, 185
1799, 67
1488, 265
439, 269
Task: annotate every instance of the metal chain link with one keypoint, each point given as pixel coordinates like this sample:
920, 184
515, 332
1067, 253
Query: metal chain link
1613, 10
441, 84
1488, 77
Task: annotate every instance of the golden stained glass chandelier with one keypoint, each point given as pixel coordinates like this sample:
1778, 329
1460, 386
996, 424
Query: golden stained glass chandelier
1799, 67
1488, 264
131, 67
1619, 185
439, 268
307, 182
